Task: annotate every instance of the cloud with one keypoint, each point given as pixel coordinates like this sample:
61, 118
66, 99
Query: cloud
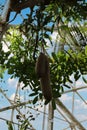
5, 46
78, 103
81, 117
54, 36
84, 105
18, 97
12, 96
80, 83
12, 82
55, 43
65, 98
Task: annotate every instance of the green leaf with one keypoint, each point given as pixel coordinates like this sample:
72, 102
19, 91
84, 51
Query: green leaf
56, 94
40, 95
46, 36
33, 94
84, 80
52, 28
77, 76
70, 81
53, 104
35, 100
62, 89
86, 50
54, 57
10, 127
67, 86
46, 102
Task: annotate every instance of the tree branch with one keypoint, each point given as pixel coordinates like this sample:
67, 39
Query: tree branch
74, 121
28, 3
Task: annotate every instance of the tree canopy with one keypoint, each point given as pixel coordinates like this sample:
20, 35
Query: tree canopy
27, 40
24, 43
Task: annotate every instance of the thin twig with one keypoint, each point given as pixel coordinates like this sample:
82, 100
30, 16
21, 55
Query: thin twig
18, 85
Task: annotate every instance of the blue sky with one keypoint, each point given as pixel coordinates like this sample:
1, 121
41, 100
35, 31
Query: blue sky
11, 84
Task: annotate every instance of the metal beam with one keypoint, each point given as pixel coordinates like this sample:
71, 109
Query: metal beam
74, 89
50, 117
73, 120
5, 11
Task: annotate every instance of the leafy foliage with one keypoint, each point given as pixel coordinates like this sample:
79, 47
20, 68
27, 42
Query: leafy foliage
10, 127
62, 65
26, 41
65, 10
30, 38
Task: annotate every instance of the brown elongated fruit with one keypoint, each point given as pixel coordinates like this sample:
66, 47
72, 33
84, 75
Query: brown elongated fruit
40, 67
46, 88
43, 72
45, 81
